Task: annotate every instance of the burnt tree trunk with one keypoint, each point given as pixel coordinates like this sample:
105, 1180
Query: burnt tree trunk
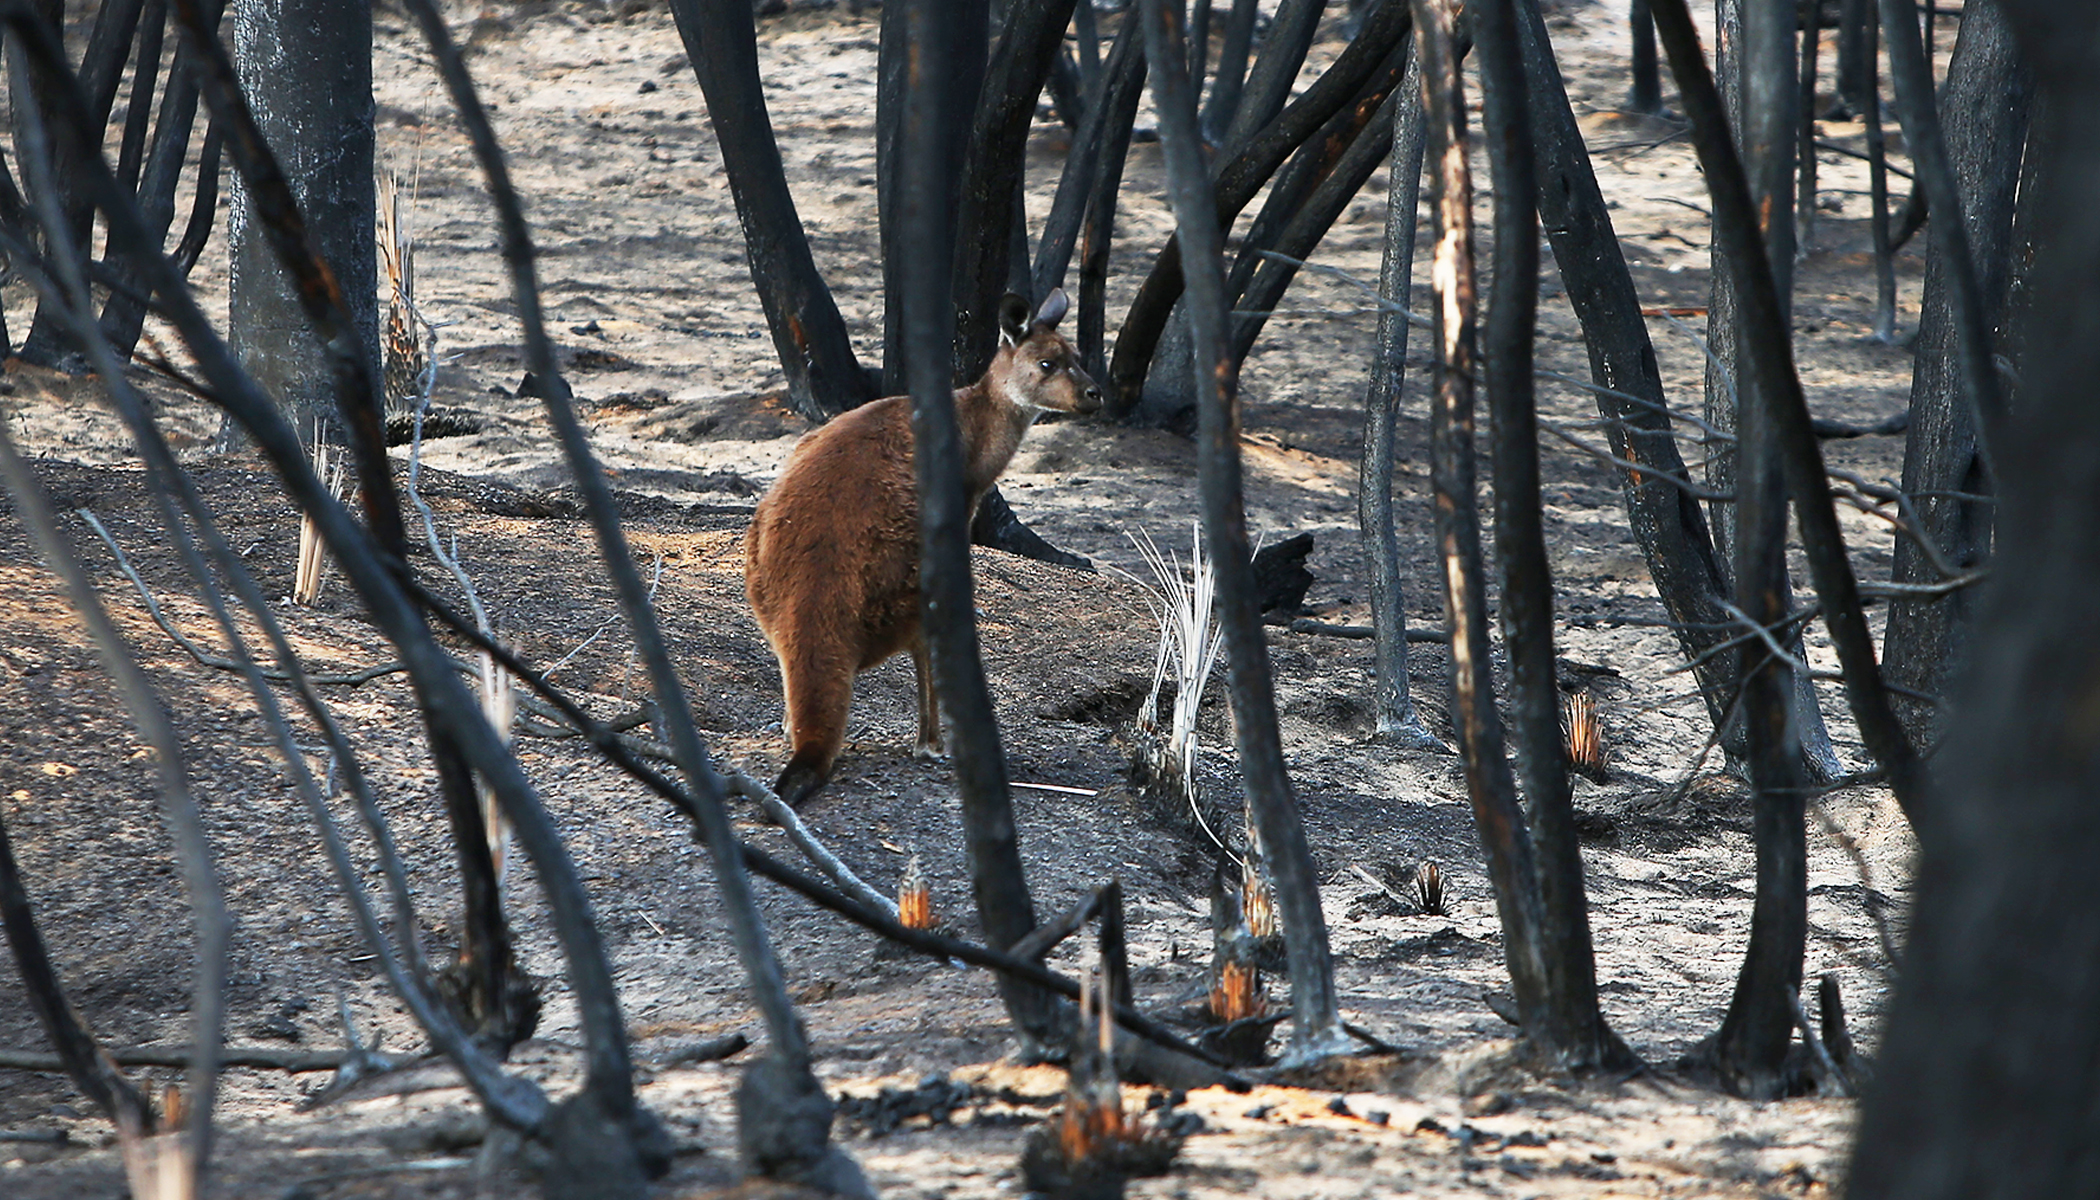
1316, 1023
1230, 79
1242, 167
1121, 98
1645, 96
824, 378
1114, 107
990, 193
307, 71
1505, 838
1987, 111
1761, 92
926, 231
1999, 984
123, 317
1770, 376
1575, 1036
1856, 54
1911, 72
101, 71
1398, 722
1666, 520
972, 43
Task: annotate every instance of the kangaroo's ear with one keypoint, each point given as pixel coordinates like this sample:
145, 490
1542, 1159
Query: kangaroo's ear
1013, 319
1055, 305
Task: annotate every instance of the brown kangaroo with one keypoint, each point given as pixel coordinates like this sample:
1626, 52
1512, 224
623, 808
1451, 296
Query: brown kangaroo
831, 563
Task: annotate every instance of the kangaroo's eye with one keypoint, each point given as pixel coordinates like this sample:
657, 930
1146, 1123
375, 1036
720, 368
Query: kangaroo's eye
1047, 366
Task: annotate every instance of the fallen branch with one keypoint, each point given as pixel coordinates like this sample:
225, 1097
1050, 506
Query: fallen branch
264, 1058
1363, 632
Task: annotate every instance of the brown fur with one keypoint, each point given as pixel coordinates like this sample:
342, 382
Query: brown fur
831, 563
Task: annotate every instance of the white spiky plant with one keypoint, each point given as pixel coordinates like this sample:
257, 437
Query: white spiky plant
1189, 641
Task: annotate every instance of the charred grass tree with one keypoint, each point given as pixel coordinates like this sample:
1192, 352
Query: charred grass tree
1998, 987
1316, 1024
1554, 985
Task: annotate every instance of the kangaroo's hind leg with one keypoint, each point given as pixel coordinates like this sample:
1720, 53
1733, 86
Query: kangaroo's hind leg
930, 741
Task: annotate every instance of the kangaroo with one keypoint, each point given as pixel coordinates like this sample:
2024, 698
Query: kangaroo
831, 563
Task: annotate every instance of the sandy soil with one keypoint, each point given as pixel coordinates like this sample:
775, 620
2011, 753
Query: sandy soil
643, 266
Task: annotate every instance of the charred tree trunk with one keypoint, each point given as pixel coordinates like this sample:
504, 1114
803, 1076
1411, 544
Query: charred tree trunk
1761, 92
1667, 522
1856, 58
1805, 149
972, 43
1646, 94
1316, 1029
1376, 523
1230, 79
1968, 308
1998, 987
101, 71
991, 181
1987, 110
123, 317
1246, 164
824, 378
307, 70
1504, 837
1770, 376
1268, 86
926, 232
145, 81
1108, 118
1120, 98
1575, 1035
1878, 193
495, 1002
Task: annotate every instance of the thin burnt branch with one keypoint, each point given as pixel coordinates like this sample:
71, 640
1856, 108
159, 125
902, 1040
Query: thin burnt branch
761, 967
29, 41
92, 1069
